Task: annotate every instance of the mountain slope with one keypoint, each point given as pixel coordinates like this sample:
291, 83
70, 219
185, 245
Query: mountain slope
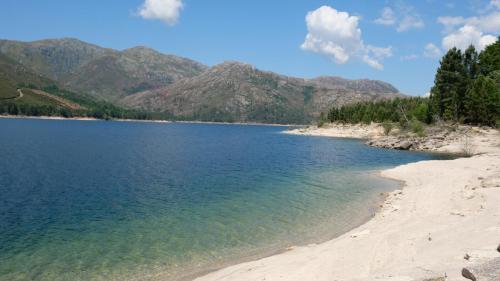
362, 85
24, 92
237, 92
101, 72
14, 75
142, 78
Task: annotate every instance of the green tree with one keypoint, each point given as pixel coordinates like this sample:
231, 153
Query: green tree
489, 59
483, 102
471, 63
450, 86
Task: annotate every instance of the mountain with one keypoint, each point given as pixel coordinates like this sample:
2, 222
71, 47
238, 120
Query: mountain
104, 73
143, 79
25, 92
13, 75
362, 85
237, 92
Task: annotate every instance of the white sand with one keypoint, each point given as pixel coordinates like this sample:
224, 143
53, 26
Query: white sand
446, 210
48, 118
341, 131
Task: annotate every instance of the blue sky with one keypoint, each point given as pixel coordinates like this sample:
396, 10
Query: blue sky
398, 41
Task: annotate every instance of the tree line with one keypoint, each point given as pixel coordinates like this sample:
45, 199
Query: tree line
91, 107
466, 90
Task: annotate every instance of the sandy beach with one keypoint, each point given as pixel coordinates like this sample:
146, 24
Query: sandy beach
445, 219
48, 118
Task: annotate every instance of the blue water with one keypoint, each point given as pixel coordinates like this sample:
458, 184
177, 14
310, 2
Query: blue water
83, 200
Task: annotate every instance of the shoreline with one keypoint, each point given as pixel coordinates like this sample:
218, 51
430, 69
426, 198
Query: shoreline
263, 254
461, 217
142, 121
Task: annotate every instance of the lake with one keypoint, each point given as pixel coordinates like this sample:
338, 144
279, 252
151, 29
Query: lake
97, 200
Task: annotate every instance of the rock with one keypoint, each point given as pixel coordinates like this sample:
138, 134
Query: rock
467, 274
402, 145
487, 271
498, 248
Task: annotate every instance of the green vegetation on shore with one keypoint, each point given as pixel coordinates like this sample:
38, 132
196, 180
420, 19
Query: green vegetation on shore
466, 90
32, 103
24, 92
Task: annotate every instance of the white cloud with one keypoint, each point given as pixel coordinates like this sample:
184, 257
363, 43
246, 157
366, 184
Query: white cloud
410, 22
337, 35
426, 95
485, 23
432, 51
479, 31
450, 23
466, 36
387, 17
409, 57
167, 11
402, 15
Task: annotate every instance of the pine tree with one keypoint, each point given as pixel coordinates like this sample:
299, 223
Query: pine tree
489, 59
482, 102
450, 86
471, 62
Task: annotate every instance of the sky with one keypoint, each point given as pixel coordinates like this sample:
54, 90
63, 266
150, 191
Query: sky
397, 41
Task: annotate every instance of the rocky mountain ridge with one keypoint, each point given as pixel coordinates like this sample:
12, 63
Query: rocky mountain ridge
146, 79
234, 91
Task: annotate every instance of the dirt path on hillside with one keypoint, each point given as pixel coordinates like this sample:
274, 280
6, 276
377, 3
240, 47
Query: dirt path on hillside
57, 99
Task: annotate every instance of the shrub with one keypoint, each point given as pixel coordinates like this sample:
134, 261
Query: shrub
417, 128
388, 126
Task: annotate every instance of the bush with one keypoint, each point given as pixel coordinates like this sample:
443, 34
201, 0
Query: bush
417, 128
388, 126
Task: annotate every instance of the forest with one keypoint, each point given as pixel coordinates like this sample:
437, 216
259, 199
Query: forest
466, 90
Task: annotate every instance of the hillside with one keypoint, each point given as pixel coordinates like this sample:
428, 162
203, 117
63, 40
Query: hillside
13, 75
24, 92
104, 73
144, 79
236, 92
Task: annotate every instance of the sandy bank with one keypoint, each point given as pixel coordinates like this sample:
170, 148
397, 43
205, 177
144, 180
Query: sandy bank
448, 210
79, 119
47, 117
447, 139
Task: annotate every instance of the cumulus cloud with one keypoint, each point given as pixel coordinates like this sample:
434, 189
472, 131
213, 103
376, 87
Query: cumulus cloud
466, 36
407, 18
167, 11
485, 23
432, 51
480, 30
337, 35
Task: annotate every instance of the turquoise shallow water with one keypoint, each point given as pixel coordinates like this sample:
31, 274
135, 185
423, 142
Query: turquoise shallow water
116, 201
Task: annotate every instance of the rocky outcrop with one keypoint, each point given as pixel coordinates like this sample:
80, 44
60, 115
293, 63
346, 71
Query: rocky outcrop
407, 143
434, 139
489, 271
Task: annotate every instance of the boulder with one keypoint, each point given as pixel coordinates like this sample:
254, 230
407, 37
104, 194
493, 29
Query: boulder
466, 273
405, 145
487, 271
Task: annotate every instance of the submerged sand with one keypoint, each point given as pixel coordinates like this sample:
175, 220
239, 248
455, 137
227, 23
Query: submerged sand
446, 218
